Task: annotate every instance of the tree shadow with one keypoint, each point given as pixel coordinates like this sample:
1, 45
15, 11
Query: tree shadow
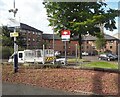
118, 84
97, 88
118, 81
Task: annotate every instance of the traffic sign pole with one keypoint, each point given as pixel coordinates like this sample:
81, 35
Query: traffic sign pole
14, 10
65, 37
65, 53
15, 54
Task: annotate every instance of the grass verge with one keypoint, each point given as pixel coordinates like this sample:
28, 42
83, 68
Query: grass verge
106, 65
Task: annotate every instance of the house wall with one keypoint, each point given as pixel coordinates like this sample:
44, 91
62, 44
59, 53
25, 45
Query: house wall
112, 45
87, 46
60, 46
33, 39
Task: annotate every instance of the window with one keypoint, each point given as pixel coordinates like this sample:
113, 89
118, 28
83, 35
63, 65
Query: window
82, 47
23, 33
38, 53
111, 41
73, 52
94, 47
24, 38
20, 55
110, 47
39, 33
87, 47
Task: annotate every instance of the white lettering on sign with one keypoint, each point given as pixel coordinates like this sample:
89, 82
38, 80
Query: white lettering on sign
65, 35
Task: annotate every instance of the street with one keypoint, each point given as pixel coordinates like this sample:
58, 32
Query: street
91, 58
21, 89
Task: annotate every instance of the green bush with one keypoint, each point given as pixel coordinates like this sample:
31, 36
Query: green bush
6, 52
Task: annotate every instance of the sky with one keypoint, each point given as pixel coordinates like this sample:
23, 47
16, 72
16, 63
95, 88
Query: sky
33, 13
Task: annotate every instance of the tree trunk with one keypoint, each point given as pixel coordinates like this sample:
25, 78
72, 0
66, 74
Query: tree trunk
80, 44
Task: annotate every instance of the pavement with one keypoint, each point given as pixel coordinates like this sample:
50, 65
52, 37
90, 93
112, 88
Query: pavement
22, 89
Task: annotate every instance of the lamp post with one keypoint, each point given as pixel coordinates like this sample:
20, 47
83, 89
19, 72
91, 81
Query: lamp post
14, 10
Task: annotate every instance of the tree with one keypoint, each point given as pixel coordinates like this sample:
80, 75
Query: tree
100, 42
8, 41
80, 18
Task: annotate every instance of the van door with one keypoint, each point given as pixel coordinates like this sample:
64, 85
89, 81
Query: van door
20, 57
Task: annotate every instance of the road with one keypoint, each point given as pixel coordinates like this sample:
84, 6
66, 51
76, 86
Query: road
91, 58
95, 58
21, 89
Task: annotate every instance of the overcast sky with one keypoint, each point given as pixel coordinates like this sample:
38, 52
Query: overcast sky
33, 13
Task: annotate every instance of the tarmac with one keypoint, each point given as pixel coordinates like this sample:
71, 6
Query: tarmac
22, 89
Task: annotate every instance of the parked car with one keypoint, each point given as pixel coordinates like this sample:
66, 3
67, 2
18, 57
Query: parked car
57, 53
85, 54
108, 57
60, 60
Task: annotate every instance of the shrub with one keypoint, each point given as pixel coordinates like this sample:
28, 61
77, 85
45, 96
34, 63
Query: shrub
6, 52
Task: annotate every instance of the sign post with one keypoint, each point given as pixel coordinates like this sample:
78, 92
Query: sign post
13, 21
65, 35
15, 34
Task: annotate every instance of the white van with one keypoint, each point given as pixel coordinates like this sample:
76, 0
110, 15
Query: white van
28, 56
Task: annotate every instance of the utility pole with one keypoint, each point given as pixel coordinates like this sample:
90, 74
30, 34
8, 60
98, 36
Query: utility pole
14, 10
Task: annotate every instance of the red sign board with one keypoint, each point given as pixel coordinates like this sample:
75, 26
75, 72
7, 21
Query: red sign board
65, 35
65, 32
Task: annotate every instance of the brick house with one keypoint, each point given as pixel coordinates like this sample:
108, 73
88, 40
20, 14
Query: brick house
31, 36
59, 44
34, 39
88, 44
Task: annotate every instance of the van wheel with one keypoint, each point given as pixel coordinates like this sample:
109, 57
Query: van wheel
108, 59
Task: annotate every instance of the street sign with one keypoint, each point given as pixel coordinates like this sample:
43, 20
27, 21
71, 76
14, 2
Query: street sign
65, 35
14, 34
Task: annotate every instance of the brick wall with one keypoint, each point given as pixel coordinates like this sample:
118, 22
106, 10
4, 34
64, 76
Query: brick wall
87, 46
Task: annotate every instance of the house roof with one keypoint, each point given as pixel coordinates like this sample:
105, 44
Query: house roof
26, 27
87, 37
50, 36
107, 37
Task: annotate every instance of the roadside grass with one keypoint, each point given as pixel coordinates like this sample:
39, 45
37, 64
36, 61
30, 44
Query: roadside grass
74, 60
102, 64
97, 64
